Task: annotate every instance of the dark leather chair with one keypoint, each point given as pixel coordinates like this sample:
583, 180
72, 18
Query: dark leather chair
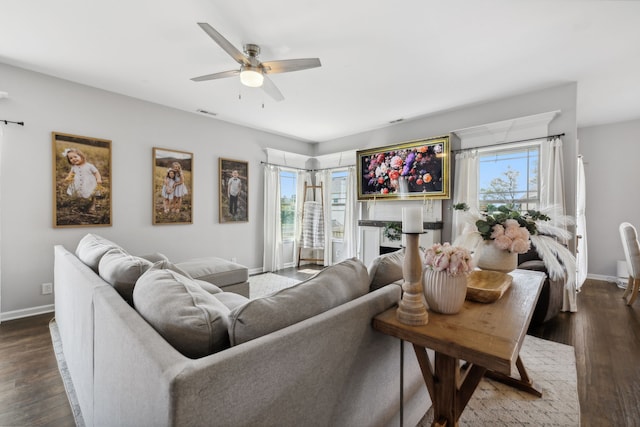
550, 300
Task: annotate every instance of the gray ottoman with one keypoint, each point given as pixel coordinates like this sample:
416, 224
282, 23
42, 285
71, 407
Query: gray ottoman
228, 276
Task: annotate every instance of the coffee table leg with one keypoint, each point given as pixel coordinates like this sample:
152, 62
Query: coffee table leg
450, 392
524, 383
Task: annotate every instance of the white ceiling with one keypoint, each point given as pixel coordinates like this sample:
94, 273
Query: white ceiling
381, 59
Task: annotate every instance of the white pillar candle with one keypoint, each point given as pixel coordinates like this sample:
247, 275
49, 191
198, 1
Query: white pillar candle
412, 219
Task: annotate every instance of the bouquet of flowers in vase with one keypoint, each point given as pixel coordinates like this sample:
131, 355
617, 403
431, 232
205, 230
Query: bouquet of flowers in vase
454, 260
514, 231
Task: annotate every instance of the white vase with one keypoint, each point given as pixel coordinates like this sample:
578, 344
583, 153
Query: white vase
492, 258
444, 293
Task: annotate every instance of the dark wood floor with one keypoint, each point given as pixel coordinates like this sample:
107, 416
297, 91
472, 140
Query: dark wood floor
604, 332
31, 390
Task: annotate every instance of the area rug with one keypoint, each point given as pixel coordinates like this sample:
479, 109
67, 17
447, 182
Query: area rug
267, 283
309, 271
64, 373
552, 367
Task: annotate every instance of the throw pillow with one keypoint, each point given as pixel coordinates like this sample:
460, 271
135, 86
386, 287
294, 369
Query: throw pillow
192, 320
122, 270
386, 269
155, 257
209, 287
91, 248
331, 287
165, 264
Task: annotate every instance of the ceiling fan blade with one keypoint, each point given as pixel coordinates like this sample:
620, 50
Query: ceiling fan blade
271, 89
214, 76
287, 65
224, 43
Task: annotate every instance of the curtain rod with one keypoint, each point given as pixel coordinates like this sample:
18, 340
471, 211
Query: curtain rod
306, 170
6, 122
510, 142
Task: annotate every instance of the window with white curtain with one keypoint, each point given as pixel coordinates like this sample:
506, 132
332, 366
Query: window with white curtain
338, 202
288, 183
509, 175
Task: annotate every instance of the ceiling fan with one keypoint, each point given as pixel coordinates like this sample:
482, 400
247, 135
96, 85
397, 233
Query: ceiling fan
253, 73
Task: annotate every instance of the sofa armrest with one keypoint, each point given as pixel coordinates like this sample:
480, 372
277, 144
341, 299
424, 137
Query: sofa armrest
75, 284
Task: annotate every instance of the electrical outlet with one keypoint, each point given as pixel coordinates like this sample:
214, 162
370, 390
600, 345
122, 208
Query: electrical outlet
47, 288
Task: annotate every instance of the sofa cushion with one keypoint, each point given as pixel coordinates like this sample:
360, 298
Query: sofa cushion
192, 320
214, 270
330, 288
231, 300
535, 265
91, 248
122, 270
386, 269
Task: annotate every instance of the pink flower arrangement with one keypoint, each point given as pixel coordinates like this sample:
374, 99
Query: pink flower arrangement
452, 259
511, 237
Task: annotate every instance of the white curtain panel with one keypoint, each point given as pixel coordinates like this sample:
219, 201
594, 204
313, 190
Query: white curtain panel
273, 256
303, 177
325, 178
582, 261
466, 188
552, 197
552, 175
1, 145
350, 239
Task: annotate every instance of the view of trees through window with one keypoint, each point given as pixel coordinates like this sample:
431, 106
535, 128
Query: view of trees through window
510, 177
288, 181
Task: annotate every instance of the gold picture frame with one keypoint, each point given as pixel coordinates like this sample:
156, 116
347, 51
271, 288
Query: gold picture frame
411, 170
172, 187
233, 178
81, 181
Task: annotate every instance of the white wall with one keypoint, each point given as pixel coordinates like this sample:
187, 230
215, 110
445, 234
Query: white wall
612, 172
48, 104
561, 98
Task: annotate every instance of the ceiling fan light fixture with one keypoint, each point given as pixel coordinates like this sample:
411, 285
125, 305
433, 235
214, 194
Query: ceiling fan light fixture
251, 76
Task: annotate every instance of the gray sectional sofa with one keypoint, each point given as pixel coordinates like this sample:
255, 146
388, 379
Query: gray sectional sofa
182, 352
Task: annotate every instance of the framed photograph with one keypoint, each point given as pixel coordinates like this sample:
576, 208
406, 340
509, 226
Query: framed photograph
172, 187
81, 181
234, 190
410, 170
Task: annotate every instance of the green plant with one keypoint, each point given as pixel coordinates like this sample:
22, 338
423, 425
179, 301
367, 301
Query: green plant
501, 216
392, 231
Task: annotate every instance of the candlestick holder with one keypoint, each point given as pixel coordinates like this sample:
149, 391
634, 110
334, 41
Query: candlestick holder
412, 310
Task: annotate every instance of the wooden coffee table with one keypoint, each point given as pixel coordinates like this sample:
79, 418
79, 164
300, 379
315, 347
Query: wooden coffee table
487, 337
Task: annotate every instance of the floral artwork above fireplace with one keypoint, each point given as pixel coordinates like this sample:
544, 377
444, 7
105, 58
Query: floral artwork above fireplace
410, 170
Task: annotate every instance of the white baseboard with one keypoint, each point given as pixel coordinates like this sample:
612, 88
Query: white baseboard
602, 277
256, 270
26, 312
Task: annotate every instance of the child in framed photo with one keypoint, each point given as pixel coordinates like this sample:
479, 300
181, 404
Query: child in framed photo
234, 179
82, 191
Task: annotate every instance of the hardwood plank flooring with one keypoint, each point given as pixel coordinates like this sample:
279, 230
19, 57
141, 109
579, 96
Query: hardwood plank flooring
605, 333
31, 389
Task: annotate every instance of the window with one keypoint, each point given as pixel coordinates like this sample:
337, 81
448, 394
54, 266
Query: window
338, 199
288, 183
509, 176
